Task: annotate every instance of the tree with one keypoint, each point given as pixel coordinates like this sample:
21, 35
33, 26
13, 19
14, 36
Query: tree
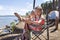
28, 13
48, 5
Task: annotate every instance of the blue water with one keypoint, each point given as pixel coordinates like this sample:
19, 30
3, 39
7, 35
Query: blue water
6, 20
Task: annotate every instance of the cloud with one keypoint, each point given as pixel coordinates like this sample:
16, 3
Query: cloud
1, 7
29, 5
46, 0
22, 11
9, 10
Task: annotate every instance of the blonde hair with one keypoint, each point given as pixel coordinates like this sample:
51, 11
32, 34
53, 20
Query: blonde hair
40, 9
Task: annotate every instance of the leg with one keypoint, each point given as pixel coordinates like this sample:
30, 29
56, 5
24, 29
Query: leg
56, 25
26, 32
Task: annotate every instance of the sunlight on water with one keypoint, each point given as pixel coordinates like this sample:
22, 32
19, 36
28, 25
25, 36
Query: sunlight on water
7, 20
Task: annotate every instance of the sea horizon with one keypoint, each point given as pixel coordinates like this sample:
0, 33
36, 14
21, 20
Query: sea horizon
7, 19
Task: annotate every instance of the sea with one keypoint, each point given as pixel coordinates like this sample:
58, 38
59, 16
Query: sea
7, 19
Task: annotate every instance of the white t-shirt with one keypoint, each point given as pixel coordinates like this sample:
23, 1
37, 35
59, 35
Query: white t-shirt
53, 14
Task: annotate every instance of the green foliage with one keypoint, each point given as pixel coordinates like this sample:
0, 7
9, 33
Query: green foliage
48, 5
28, 13
13, 26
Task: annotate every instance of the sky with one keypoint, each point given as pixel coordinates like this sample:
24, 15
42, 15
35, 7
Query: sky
8, 7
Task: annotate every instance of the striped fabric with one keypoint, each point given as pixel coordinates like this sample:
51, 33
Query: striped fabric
37, 28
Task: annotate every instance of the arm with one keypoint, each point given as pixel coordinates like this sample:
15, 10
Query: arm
17, 15
40, 22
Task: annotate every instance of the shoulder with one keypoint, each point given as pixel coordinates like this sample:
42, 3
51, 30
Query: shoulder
56, 11
52, 12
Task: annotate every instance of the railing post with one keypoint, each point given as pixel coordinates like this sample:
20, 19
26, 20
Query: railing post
34, 4
54, 5
59, 7
47, 26
47, 22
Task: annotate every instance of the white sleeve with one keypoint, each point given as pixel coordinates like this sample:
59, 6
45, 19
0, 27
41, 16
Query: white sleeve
42, 16
57, 13
38, 21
